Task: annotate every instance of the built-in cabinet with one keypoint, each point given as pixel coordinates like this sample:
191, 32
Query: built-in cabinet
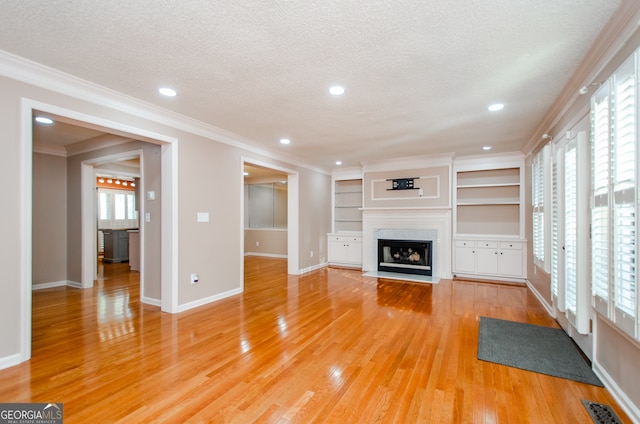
345, 241
490, 258
345, 250
489, 218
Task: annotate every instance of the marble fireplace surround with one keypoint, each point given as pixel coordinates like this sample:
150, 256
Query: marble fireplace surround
408, 224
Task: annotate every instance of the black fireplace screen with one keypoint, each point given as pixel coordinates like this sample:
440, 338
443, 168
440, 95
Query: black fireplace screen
405, 256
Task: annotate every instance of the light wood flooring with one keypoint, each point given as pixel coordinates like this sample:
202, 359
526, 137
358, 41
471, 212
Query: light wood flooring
330, 346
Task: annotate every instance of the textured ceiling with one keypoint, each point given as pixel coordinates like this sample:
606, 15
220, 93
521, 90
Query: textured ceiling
419, 74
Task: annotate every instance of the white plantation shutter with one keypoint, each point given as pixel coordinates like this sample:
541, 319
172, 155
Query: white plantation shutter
571, 229
538, 191
624, 136
557, 223
600, 172
614, 123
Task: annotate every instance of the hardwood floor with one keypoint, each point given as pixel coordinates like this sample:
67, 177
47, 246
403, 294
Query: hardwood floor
330, 346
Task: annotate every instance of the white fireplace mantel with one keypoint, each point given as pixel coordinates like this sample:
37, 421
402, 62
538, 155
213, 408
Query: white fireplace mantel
384, 220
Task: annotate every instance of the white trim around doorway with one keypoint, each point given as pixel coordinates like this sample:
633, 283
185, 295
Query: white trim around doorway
169, 292
293, 220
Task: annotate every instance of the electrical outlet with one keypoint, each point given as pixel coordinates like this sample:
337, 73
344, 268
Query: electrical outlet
257, 244
311, 254
194, 278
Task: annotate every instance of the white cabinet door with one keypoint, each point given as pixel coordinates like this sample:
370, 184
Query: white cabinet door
487, 257
337, 250
511, 259
465, 259
354, 251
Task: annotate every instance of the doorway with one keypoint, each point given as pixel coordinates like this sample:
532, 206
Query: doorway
115, 207
86, 220
263, 171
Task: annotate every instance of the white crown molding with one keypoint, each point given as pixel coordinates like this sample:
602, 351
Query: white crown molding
489, 161
50, 149
410, 162
96, 143
617, 32
27, 71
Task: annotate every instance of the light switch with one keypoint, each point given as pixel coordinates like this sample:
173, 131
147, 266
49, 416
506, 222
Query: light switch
147, 217
203, 216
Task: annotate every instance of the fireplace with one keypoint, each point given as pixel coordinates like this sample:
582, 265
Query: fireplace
405, 256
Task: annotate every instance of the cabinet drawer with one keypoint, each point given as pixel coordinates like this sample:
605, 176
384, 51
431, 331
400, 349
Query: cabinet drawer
510, 245
346, 239
465, 243
488, 244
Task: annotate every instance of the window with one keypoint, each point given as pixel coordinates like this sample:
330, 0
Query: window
266, 205
117, 209
540, 163
614, 115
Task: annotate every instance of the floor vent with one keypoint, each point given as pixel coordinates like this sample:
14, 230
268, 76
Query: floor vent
600, 413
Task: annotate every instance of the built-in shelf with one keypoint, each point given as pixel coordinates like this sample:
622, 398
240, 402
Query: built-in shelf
488, 217
347, 212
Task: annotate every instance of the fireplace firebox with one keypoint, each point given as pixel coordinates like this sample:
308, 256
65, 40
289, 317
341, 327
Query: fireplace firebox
405, 256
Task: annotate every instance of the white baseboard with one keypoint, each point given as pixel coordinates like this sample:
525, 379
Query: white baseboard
62, 283
266, 255
207, 300
313, 268
9, 361
151, 301
542, 300
623, 400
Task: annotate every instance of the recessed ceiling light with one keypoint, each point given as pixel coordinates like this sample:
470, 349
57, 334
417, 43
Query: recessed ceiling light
166, 91
44, 120
338, 162
496, 107
486, 148
336, 90
285, 141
